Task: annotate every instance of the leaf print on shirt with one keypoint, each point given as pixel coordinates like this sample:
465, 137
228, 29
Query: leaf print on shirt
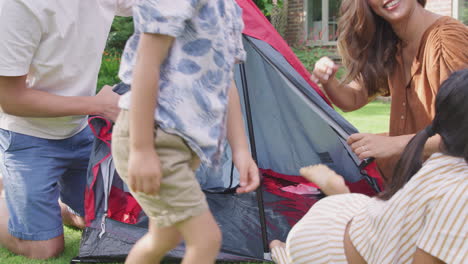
221, 8
202, 99
197, 47
214, 133
169, 95
196, 76
212, 79
190, 30
188, 67
149, 13
218, 58
133, 43
208, 20
194, 3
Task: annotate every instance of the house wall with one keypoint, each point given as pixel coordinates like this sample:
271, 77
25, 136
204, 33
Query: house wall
442, 7
295, 29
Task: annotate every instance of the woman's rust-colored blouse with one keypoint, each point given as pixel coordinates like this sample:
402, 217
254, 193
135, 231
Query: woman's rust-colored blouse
443, 50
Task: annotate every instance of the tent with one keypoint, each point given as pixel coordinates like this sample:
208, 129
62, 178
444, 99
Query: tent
290, 124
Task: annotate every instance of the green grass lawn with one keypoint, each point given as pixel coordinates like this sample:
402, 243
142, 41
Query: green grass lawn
72, 242
371, 118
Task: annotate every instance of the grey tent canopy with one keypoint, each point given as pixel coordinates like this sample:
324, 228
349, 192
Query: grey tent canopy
289, 125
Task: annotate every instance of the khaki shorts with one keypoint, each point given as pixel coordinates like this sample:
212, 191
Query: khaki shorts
180, 196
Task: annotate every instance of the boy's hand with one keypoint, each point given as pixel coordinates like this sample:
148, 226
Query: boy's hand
144, 171
248, 170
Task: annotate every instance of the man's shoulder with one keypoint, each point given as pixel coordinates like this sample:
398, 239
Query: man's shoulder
29, 5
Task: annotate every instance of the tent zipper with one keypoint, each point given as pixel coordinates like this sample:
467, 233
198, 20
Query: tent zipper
103, 225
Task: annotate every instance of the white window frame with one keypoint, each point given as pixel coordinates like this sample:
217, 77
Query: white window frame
455, 9
325, 24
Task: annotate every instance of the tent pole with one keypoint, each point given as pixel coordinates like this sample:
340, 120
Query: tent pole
259, 191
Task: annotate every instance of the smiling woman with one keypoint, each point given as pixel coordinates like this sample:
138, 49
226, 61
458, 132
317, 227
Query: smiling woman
393, 47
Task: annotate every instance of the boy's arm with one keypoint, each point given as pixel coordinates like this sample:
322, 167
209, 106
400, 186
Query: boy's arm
248, 170
144, 167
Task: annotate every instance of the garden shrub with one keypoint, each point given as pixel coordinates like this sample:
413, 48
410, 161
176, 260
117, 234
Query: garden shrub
108, 73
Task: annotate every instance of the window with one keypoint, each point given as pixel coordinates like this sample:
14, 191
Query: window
460, 10
321, 22
463, 11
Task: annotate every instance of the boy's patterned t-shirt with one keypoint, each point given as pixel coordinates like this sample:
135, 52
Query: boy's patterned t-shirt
196, 76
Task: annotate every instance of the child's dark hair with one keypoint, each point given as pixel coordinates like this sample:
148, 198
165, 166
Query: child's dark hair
450, 122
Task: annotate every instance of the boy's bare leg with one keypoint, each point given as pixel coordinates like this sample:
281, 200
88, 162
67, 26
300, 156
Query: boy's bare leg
202, 239
153, 246
326, 179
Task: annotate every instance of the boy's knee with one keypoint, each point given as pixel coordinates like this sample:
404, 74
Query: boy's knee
217, 237
212, 240
163, 246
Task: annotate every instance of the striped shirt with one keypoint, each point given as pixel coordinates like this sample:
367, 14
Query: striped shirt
430, 212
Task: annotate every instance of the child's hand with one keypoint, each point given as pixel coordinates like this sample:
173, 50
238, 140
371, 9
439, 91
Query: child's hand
144, 171
248, 170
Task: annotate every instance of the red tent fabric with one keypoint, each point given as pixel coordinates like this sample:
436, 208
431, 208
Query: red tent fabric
257, 26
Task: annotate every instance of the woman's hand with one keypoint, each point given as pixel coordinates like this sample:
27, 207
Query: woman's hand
367, 145
324, 70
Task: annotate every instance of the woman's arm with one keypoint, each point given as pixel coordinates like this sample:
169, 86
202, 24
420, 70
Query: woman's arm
366, 145
347, 97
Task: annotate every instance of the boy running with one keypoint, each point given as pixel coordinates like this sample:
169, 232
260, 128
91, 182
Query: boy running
180, 64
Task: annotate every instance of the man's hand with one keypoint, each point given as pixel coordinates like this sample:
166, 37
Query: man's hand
367, 145
108, 103
144, 171
248, 170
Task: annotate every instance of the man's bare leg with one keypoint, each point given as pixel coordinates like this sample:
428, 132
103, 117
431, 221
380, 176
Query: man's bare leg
71, 219
31, 249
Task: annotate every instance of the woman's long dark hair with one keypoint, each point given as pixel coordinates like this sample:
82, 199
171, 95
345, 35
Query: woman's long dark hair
367, 45
450, 122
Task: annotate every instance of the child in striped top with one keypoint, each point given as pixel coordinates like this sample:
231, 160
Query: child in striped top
421, 216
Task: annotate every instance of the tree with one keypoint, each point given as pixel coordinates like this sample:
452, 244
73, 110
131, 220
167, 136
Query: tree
266, 6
